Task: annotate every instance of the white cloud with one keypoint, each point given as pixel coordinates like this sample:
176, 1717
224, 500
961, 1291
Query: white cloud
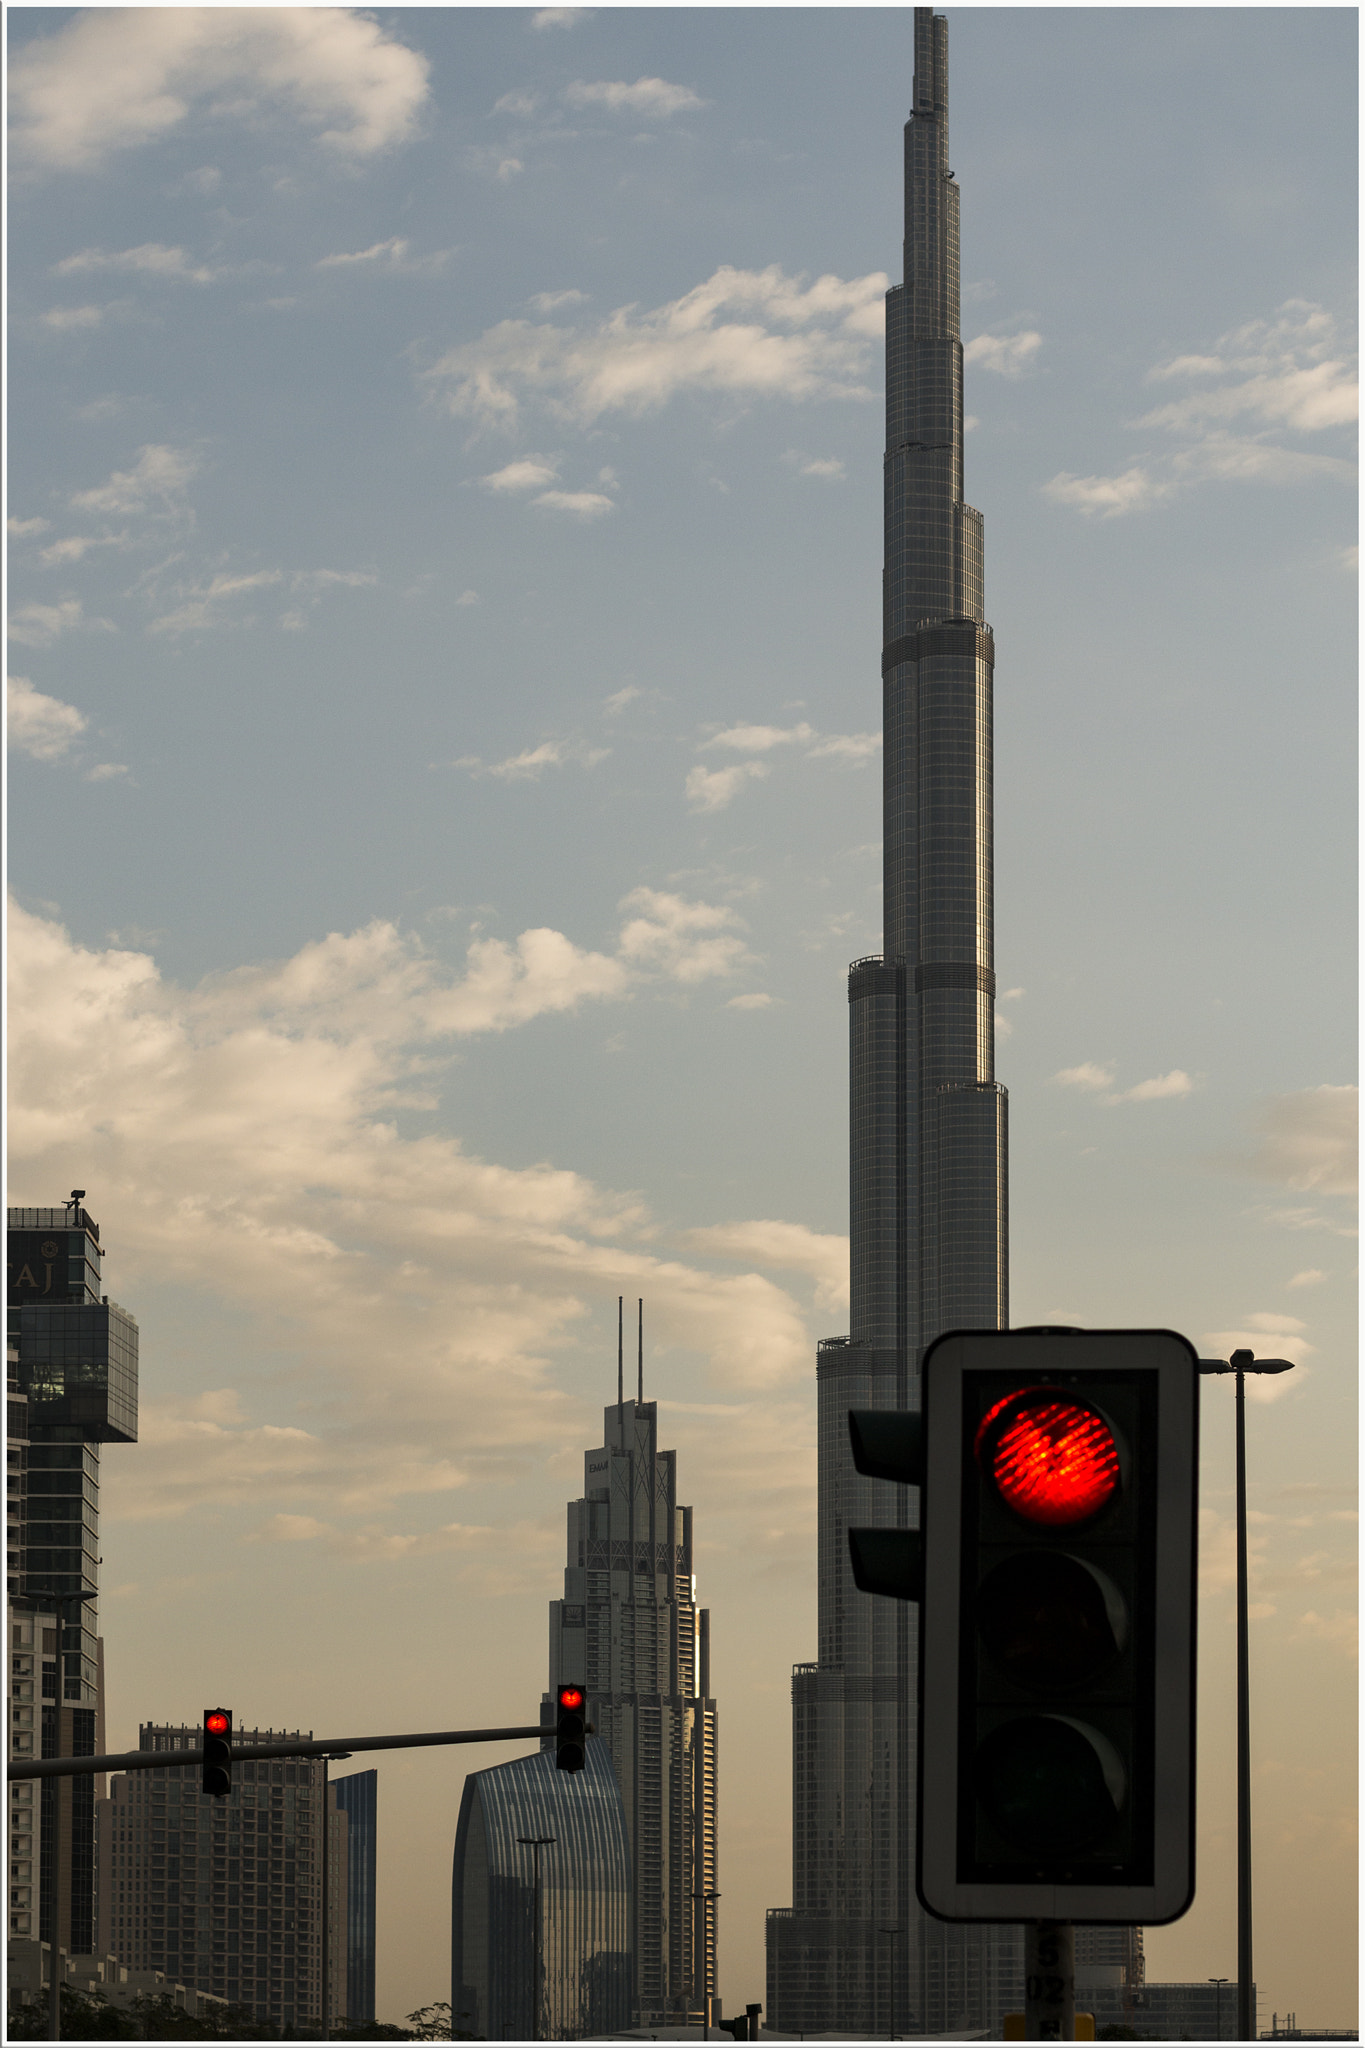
830, 467
106, 771
23, 529
153, 259
617, 702
783, 1247
41, 726
393, 251
743, 333
529, 765
1311, 1276
206, 607
75, 319
854, 747
519, 102
1160, 1089
1089, 1075
1099, 1080
647, 97
244, 1131
119, 79
711, 789
754, 1001
1309, 1139
530, 473
760, 739
75, 546
161, 474
582, 504
38, 625
468, 597
1267, 379
1007, 354
550, 302
395, 254
1108, 495
560, 17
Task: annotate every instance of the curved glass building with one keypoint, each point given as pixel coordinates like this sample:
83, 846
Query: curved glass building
579, 1973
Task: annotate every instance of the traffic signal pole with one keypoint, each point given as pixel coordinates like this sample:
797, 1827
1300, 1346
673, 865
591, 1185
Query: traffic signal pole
248, 1752
1049, 1980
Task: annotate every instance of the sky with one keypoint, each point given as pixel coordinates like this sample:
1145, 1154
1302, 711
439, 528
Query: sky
445, 533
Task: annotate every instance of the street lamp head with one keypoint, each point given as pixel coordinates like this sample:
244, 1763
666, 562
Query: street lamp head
1245, 1361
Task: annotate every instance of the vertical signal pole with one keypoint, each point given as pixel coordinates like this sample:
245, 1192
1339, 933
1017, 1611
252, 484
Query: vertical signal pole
1049, 1980
1246, 2010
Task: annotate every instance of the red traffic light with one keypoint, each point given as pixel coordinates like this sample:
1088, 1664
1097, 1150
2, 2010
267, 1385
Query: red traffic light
1053, 1458
571, 1697
218, 1723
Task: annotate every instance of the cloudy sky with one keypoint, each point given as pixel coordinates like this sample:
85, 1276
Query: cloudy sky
445, 773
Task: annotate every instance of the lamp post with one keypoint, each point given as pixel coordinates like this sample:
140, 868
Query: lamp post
1218, 1983
1241, 1363
892, 1932
535, 1843
60, 1602
707, 1993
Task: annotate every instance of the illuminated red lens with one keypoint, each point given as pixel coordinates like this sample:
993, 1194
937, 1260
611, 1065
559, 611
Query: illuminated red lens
216, 1724
570, 1696
1052, 1459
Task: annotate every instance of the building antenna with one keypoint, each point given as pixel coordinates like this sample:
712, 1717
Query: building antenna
641, 1379
620, 1357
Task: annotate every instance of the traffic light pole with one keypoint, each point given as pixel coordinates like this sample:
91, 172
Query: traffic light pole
1246, 2012
1049, 1980
248, 1752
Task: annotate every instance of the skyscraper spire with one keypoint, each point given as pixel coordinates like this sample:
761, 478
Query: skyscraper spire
928, 1244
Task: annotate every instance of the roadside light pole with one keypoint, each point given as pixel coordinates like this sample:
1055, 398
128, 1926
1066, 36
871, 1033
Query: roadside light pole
1241, 1363
535, 1843
1218, 1983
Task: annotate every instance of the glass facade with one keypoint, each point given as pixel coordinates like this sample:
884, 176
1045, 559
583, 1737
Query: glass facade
357, 1796
928, 1194
584, 1983
629, 1630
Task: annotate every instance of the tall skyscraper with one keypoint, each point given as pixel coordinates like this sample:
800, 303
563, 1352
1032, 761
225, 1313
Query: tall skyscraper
928, 1225
72, 1372
629, 1630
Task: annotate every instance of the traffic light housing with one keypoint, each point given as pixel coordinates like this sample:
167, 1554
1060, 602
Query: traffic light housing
571, 1728
1056, 1667
217, 1774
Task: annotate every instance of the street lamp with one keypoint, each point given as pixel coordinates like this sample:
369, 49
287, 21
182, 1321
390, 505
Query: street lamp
535, 1843
1243, 1362
1218, 1983
707, 1992
892, 1932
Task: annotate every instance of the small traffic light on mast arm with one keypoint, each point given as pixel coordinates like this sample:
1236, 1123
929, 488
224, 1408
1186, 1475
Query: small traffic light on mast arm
571, 1728
217, 1773
887, 1443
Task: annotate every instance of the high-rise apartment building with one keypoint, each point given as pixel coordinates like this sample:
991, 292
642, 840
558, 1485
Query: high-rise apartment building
226, 1895
71, 1357
629, 1631
928, 1222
